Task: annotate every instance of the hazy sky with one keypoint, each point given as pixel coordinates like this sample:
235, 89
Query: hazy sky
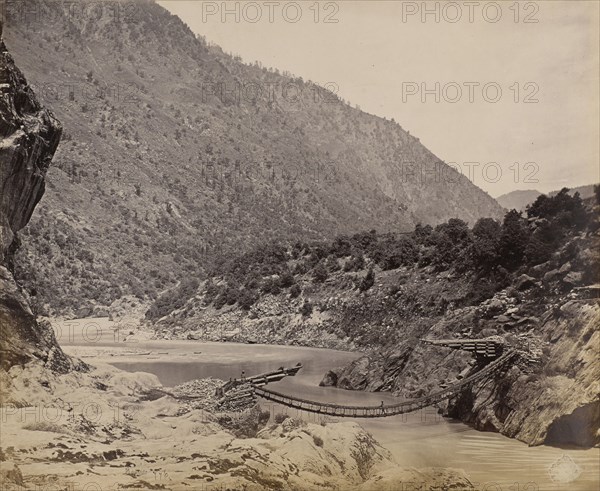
382, 54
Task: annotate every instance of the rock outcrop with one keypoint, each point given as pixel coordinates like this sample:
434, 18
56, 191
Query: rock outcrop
563, 387
30, 135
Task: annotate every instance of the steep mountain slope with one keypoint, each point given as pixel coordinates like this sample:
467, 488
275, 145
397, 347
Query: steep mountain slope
174, 151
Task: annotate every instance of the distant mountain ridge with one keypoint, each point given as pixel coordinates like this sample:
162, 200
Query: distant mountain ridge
169, 158
519, 199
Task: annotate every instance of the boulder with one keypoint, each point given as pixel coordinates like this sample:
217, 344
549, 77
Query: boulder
539, 269
495, 305
551, 276
565, 268
573, 278
524, 282
330, 379
100, 312
570, 309
83, 312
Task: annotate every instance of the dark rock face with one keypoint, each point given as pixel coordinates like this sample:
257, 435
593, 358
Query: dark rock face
30, 135
330, 379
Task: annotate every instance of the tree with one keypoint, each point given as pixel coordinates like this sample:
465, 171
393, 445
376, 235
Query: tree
513, 240
393, 253
422, 233
484, 251
563, 209
451, 240
537, 251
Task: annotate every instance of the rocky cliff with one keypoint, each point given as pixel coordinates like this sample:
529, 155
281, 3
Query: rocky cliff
30, 136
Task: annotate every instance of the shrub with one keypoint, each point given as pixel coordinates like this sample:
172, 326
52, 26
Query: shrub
286, 279
231, 295
393, 253
331, 263
247, 299
368, 281
220, 300
318, 441
319, 273
355, 263
295, 290
246, 424
300, 268
422, 233
280, 418
306, 309
271, 285
341, 247
172, 299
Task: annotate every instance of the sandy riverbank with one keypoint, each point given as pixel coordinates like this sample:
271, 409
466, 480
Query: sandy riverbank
94, 430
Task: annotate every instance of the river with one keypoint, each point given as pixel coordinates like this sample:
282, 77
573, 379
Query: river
422, 439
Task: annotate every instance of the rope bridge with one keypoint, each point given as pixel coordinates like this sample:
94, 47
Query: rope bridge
408, 406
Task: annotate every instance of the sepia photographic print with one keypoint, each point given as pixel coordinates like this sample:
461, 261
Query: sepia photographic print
300, 245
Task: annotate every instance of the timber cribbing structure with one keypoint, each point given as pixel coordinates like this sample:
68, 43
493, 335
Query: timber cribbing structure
481, 348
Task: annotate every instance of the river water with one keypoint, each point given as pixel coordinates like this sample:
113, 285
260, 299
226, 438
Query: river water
421, 439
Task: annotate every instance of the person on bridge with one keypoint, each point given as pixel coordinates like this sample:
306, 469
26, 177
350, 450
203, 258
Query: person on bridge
382, 407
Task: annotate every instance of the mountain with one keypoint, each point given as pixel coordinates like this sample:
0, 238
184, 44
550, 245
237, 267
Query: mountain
518, 200
175, 152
